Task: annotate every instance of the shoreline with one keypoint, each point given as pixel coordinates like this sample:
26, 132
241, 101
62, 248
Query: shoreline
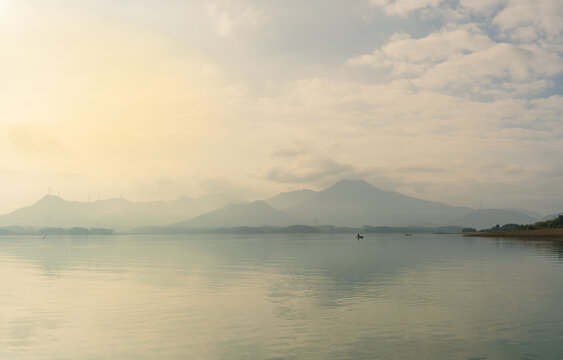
544, 234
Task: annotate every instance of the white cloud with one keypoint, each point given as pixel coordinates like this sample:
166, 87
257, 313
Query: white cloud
228, 18
462, 59
519, 20
499, 68
436, 46
407, 56
369, 130
310, 170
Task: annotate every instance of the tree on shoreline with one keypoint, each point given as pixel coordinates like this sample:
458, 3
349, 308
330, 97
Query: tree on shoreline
556, 223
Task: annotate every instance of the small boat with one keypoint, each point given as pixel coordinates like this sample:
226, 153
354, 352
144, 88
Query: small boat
358, 236
408, 234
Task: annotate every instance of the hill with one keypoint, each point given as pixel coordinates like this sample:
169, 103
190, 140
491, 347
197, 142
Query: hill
348, 203
119, 214
257, 213
551, 216
286, 200
357, 203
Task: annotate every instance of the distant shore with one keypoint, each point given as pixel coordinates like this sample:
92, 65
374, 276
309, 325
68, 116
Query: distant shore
556, 234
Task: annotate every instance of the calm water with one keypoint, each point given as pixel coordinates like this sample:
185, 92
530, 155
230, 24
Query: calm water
280, 297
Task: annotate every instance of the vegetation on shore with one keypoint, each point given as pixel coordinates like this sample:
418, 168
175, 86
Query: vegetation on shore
556, 223
544, 229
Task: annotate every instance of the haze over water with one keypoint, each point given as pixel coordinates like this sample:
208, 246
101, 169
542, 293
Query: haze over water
452, 109
280, 297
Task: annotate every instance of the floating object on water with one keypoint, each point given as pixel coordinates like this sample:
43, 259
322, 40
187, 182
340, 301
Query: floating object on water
358, 236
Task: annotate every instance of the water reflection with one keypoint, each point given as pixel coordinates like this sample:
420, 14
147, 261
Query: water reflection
280, 296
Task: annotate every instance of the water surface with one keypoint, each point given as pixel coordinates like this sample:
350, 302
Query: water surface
280, 297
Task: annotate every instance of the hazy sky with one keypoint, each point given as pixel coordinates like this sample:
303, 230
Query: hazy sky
454, 101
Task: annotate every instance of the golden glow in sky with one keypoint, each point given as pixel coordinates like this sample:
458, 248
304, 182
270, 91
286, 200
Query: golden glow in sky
160, 99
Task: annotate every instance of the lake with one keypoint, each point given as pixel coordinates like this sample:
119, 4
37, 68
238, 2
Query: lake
280, 297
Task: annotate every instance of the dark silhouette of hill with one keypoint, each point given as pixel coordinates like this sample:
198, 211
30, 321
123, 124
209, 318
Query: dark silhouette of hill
257, 213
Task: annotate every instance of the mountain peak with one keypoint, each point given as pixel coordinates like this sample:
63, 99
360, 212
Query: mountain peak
352, 186
357, 203
51, 199
353, 182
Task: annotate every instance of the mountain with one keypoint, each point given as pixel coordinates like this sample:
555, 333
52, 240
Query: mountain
348, 203
358, 203
285, 200
551, 217
258, 213
531, 214
119, 214
487, 218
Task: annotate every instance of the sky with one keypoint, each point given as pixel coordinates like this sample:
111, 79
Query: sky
453, 101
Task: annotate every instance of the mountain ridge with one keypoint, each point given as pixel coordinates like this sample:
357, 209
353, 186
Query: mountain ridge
116, 213
371, 206
285, 200
353, 203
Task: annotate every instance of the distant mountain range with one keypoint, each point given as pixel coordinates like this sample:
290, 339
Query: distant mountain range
352, 203
119, 214
358, 203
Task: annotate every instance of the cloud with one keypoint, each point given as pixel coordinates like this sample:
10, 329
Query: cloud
421, 169
518, 21
227, 18
463, 60
407, 56
117, 95
528, 20
297, 149
409, 141
314, 170
482, 72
